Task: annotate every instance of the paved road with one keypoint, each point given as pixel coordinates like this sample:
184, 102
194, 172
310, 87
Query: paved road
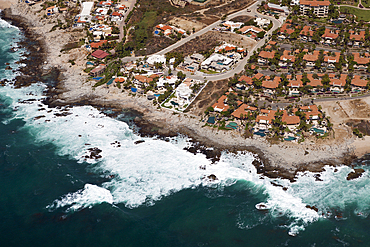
240, 66
122, 24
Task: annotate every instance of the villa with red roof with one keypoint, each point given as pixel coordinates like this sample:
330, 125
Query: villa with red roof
269, 86
358, 83
221, 104
319, 8
243, 111
337, 84
99, 54
264, 56
361, 59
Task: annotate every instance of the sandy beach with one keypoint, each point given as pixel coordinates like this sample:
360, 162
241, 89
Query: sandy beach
284, 159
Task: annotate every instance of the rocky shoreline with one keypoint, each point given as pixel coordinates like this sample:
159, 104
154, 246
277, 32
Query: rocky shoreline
271, 160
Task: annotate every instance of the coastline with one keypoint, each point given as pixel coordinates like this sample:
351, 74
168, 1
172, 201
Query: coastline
274, 160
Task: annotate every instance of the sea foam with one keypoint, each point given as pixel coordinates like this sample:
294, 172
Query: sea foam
142, 174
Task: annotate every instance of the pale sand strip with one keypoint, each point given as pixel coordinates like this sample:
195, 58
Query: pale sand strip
7, 3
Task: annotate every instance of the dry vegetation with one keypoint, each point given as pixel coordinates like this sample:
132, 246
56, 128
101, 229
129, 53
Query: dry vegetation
211, 39
208, 96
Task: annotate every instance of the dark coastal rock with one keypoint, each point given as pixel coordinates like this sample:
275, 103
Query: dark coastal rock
356, 174
94, 153
8, 68
63, 114
312, 207
212, 177
317, 177
38, 117
139, 141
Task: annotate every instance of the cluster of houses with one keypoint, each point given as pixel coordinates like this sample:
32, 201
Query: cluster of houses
258, 25
223, 58
328, 60
148, 79
100, 12
290, 122
314, 83
331, 36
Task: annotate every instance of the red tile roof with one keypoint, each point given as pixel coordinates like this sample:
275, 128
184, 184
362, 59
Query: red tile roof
358, 82
246, 79
98, 44
267, 54
286, 29
357, 35
307, 31
314, 3
220, 104
364, 59
313, 82
290, 120
312, 57
271, 84
119, 79
310, 110
143, 79
164, 27
99, 54
258, 76
286, 56
330, 34
341, 82
268, 116
332, 59
243, 109
296, 83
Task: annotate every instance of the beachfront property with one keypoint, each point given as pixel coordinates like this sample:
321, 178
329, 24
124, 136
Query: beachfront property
51, 10
289, 124
85, 16
319, 8
98, 70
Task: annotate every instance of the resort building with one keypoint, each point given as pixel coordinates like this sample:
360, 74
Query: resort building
319, 8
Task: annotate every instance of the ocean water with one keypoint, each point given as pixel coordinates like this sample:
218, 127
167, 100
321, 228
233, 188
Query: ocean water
55, 193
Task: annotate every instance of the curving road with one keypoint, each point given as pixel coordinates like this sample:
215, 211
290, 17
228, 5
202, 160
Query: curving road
252, 11
240, 66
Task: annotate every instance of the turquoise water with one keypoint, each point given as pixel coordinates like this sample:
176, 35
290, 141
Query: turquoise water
153, 193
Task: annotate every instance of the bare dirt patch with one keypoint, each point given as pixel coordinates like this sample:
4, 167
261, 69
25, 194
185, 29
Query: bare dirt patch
358, 108
211, 39
228, 8
362, 125
242, 18
186, 24
158, 43
208, 96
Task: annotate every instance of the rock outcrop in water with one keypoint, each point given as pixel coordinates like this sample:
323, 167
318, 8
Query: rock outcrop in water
355, 174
